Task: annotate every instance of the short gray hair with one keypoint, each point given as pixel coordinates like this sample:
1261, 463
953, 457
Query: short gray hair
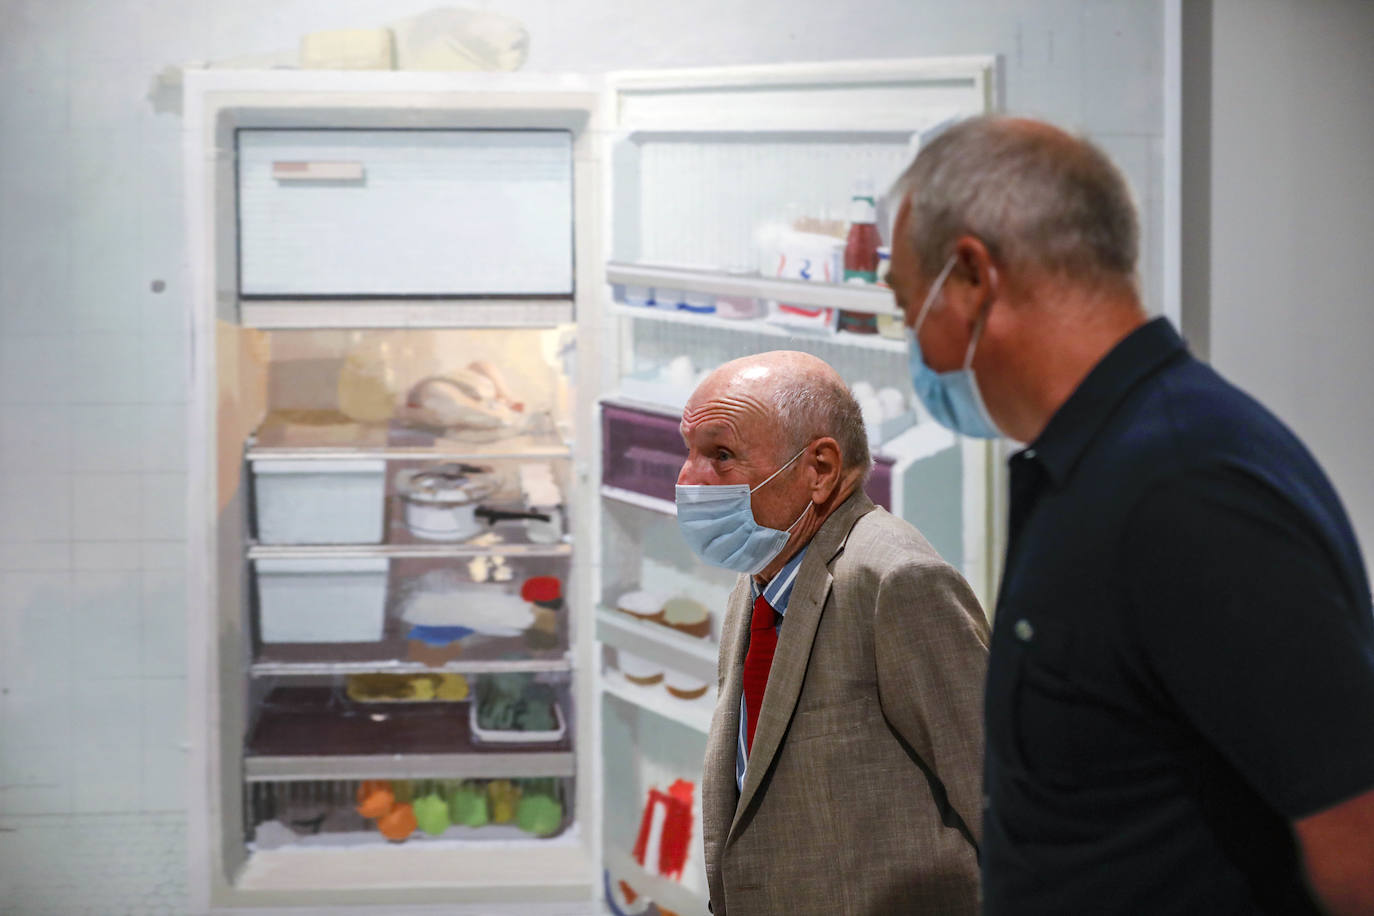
1035, 196
809, 406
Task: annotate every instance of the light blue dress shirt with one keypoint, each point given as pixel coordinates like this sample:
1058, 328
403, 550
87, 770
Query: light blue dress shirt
777, 593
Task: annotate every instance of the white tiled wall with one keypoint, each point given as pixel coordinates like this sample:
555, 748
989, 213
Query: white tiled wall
92, 457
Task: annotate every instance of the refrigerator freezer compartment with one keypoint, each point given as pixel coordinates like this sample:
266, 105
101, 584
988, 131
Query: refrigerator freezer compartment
319, 502
324, 600
504, 198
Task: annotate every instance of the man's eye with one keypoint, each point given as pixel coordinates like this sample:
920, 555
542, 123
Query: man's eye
723, 455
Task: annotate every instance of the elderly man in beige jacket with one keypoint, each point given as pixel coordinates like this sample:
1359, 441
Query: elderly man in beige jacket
843, 764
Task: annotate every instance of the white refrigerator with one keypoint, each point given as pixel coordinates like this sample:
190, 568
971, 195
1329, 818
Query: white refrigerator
448, 652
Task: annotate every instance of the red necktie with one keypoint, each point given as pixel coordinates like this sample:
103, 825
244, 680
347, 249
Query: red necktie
763, 639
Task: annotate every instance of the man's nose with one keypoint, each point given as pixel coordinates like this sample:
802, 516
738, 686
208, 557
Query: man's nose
692, 472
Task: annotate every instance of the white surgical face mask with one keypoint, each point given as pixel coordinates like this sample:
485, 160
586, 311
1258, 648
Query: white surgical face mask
718, 523
952, 398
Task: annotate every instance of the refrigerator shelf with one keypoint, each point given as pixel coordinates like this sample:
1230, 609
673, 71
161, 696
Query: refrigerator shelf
693, 714
687, 654
533, 648
343, 312
279, 438
307, 733
274, 662
444, 450
666, 893
851, 297
761, 327
502, 765
415, 550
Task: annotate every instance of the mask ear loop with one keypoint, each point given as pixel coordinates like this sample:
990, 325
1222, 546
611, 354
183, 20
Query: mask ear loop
780, 470
934, 292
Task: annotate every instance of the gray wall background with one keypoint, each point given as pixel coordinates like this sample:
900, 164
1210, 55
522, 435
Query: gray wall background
92, 359
1292, 224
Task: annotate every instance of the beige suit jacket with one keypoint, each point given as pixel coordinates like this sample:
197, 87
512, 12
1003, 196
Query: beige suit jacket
862, 794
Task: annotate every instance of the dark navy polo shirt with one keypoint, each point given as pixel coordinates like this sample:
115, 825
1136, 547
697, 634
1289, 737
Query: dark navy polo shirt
1183, 655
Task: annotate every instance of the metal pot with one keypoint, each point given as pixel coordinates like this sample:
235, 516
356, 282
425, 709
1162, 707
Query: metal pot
442, 502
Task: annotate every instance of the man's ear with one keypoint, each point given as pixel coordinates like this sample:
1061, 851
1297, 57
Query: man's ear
827, 468
973, 282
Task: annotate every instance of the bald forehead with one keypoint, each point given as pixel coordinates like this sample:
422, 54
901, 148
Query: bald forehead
764, 373
739, 396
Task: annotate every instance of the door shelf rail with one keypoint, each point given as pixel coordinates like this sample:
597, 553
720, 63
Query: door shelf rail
759, 326
630, 497
693, 714
851, 297
688, 654
666, 893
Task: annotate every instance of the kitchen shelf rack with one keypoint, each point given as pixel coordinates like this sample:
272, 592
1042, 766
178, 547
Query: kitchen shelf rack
851, 297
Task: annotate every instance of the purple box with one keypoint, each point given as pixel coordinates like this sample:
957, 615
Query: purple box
643, 452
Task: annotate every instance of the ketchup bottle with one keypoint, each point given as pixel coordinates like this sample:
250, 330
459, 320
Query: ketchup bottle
861, 248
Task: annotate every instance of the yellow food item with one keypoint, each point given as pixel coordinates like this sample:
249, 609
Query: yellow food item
503, 796
421, 688
452, 687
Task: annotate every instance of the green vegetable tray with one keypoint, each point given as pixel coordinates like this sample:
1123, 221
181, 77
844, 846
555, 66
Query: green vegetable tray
515, 736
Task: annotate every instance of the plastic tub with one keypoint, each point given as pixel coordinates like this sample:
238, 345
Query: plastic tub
319, 501
701, 303
331, 599
641, 296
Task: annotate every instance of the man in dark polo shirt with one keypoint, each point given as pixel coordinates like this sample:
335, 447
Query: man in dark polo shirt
1180, 698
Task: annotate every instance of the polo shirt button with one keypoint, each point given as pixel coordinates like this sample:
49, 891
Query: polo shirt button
1023, 630
1029, 453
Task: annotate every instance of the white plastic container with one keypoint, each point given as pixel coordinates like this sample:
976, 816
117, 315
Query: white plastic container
642, 296
320, 501
701, 303
330, 599
668, 298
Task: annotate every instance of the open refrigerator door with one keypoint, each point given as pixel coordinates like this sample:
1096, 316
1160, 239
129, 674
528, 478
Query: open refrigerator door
734, 197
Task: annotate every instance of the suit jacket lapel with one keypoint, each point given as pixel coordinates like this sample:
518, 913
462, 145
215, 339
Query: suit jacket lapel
720, 796
798, 632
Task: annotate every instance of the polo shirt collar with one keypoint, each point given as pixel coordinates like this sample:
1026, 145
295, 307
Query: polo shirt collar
1077, 421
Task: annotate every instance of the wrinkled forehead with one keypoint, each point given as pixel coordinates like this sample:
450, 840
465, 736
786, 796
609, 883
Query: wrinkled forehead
734, 414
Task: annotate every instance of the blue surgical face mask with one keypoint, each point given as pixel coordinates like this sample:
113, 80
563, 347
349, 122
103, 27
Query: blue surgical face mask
951, 397
718, 522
